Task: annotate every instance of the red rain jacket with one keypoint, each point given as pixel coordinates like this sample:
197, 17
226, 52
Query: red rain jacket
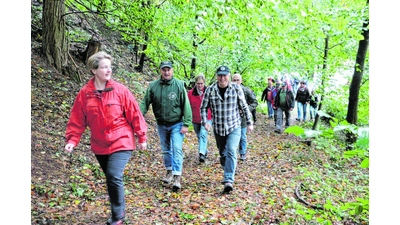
195, 103
113, 117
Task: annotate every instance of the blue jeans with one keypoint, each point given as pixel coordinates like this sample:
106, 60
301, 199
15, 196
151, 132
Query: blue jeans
113, 167
227, 146
202, 136
243, 141
301, 111
171, 141
270, 109
279, 118
313, 112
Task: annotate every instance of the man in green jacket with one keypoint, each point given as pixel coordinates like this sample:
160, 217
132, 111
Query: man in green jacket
173, 114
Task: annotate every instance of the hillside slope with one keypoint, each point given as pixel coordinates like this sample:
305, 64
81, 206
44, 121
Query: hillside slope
70, 188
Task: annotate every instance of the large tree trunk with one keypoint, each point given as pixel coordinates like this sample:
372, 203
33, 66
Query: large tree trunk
357, 76
55, 45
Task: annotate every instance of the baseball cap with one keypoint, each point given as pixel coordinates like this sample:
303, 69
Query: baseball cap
223, 70
165, 64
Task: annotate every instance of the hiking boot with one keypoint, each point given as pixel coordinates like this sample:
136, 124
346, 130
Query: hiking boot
177, 183
202, 157
110, 221
118, 222
242, 157
168, 178
228, 187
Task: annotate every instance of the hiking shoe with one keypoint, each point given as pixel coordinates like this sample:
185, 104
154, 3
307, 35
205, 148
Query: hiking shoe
118, 222
168, 178
110, 221
228, 187
298, 119
202, 157
287, 125
242, 157
177, 183
278, 131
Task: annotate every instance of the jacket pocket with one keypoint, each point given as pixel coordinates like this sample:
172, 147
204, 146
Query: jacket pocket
112, 136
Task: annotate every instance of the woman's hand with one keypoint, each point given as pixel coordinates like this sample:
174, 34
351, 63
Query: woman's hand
69, 147
143, 146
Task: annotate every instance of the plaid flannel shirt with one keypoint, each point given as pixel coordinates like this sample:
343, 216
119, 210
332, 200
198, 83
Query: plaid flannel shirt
225, 110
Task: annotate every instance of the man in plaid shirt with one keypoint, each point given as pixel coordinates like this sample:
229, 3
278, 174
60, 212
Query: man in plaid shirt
226, 99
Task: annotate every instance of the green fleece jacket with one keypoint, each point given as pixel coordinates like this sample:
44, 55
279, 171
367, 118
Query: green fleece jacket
169, 101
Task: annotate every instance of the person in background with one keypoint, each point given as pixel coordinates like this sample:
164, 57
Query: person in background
302, 98
195, 96
113, 115
314, 100
286, 79
226, 99
254, 114
173, 114
252, 103
274, 93
296, 83
284, 103
268, 98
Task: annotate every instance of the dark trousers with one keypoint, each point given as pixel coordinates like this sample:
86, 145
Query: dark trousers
113, 167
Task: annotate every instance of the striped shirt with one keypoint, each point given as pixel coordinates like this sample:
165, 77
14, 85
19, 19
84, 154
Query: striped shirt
225, 110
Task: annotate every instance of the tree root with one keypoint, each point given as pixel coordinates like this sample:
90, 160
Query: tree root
298, 195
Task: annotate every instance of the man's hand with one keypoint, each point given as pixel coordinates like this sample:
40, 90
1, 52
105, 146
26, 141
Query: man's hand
184, 130
250, 127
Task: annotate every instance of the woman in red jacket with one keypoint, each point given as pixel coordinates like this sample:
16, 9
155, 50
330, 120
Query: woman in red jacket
195, 96
113, 115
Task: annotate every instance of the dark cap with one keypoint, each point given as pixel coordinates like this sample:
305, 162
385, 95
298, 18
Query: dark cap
166, 64
223, 70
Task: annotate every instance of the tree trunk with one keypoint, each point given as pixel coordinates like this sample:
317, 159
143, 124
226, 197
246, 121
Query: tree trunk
55, 45
357, 76
324, 66
92, 48
139, 68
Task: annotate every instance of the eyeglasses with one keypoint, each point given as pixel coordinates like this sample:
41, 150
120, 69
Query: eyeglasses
105, 67
235, 80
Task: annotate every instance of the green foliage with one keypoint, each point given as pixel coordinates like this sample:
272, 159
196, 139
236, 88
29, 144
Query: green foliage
339, 183
256, 39
336, 103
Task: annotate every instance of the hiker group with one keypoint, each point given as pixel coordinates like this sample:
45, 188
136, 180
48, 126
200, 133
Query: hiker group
116, 121
281, 97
